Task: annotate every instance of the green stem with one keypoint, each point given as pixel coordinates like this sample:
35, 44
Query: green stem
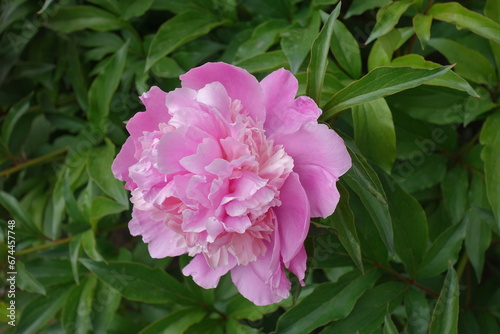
461, 265
64, 241
52, 156
43, 246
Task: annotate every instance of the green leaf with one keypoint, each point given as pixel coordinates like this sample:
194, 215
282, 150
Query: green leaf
387, 18
296, 41
241, 308
470, 63
103, 206
166, 67
345, 49
176, 322
490, 138
104, 86
26, 281
455, 13
445, 314
23, 220
89, 245
422, 171
370, 311
443, 251
265, 62
455, 188
389, 327
360, 6
326, 2
138, 282
99, 169
319, 57
363, 180
132, 8
262, 38
418, 311
378, 83
385, 46
74, 18
13, 116
106, 301
477, 238
492, 10
449, 79
71, 204
328, 302
76, 314
422, 25
343, 221
411, 235
41, 310
74, 253
176, 32
374, 132
76, 75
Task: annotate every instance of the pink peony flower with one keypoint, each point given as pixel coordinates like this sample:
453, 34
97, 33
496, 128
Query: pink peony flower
230, 171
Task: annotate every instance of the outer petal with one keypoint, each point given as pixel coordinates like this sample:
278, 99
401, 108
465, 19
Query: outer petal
205, 276
122, 163
156, 113
320, 157
285, 113
239, 84
280, 88
162, 241
256, 290
298, 265
293, 218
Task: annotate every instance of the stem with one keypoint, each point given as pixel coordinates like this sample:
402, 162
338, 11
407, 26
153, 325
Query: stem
65, 240
408, 280
43, 246
52, 156
461, 265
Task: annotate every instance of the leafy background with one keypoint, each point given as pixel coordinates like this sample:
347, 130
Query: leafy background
414, 244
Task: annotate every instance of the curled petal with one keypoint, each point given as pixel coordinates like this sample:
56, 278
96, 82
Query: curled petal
205, 276
162, 241
293, 218
256, 290
239, 84
320, 158
156, 113
122, 163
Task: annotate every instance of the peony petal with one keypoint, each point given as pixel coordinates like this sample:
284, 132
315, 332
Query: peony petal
215, 95
257, 291
298, 265
274, 97
180, 98
176, 145
161, 241
293, 218
156, 113
321, 189
206, 153
320, 158
285, 113
239, 84
122, 163
205, 276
